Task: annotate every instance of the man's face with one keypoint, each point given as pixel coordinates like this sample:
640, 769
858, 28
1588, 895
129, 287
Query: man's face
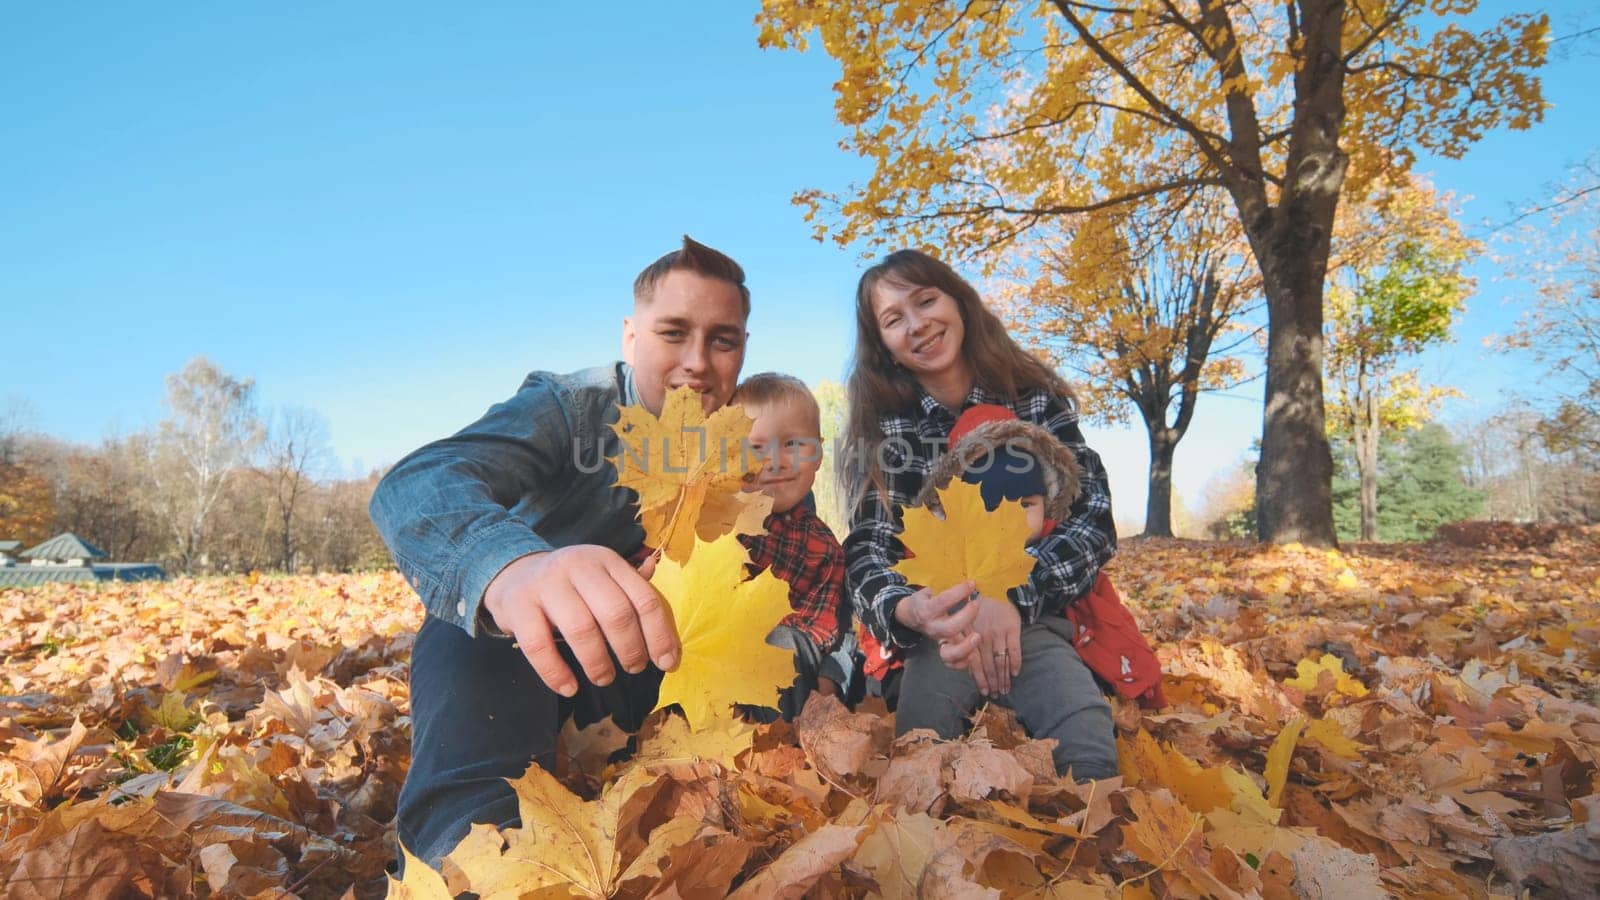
784, 434
690, 333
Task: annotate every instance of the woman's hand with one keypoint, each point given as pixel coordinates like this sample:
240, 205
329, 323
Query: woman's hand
996, 655
943, 616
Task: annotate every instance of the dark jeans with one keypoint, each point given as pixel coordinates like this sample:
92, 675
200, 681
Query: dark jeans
1055, 697
479, 715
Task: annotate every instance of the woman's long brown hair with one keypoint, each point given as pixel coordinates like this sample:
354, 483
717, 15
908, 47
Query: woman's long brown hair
876, 385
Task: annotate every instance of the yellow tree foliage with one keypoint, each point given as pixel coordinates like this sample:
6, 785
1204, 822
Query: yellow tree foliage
1144, 303
966, 542
723, 622
688, 469
984, 120
27, 505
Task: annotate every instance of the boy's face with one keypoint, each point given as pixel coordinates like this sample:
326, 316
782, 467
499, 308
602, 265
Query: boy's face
691, 332
1033, 506
783, 434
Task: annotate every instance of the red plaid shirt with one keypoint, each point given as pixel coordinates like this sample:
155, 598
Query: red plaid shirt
799, 548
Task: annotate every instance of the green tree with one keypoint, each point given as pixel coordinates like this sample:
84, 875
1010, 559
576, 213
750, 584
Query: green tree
1422, 477
1396, 290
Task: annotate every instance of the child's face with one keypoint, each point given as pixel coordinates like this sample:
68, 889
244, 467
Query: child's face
1033, 505
784, 436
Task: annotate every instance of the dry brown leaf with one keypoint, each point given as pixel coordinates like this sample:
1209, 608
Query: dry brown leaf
805, 861
838, 741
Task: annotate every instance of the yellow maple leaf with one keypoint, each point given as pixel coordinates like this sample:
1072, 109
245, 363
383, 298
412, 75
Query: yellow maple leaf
968, 543
1331, 736
688, 470
564, 846
1147, 763
723, 621
1309, 673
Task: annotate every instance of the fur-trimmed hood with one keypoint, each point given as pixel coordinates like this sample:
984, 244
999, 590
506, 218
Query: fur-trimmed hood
1061, 471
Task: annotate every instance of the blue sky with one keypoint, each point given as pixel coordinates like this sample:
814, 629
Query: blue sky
389, 214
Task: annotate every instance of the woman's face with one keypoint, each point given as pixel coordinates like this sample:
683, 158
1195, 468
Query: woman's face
921, 326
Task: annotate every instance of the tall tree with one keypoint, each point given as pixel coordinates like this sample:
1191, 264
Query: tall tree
210, 432
16, 418
1558, 251
983, 120
1136, 300
1396, 288
295, 452
105, 494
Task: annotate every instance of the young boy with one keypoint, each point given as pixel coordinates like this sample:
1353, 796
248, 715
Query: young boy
798, 546
1014, 460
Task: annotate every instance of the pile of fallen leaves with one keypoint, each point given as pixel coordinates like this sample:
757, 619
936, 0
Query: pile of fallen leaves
1416, 720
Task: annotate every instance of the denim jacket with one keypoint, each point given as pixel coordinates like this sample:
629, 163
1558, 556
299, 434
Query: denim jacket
529, 476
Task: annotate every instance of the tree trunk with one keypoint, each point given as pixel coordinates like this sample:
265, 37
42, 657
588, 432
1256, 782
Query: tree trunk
1294, 479
1366, 438
1158, 506
1291, 240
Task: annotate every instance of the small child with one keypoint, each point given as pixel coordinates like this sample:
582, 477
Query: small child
798, 546
1052, 689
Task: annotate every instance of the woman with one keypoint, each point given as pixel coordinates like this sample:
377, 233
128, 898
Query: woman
926, 349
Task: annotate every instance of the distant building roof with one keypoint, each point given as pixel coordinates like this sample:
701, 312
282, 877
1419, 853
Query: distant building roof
27, 576
63, 547
8, 546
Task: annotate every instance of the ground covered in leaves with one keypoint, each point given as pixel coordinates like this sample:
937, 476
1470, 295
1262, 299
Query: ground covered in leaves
1413, 720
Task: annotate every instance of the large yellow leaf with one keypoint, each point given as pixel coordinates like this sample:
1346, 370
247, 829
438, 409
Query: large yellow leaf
419, 883
564, 847
1279, 757
970, 542
723, 622
688, 470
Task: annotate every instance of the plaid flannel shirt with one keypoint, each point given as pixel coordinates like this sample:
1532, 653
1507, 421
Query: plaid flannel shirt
1067, 559
800, 548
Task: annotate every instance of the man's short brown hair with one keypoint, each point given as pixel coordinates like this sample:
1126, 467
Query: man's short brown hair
695, 257
768, 388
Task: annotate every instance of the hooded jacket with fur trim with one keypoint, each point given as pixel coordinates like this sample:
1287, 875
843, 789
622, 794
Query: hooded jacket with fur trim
1061, 471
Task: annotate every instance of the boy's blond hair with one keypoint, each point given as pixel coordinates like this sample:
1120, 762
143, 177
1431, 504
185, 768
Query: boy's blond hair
768, 388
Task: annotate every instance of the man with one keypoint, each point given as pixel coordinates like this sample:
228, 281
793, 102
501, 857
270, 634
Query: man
514, 535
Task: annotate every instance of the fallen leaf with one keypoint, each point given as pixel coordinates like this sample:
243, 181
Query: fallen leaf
1279, 757
804, 862
419, 881
895, 852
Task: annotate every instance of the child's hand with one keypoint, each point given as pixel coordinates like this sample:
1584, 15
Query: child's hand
998, 657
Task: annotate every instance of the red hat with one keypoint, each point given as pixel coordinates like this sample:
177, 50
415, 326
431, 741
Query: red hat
982, 414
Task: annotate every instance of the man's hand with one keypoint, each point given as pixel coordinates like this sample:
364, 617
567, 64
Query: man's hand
590, 597
996, 656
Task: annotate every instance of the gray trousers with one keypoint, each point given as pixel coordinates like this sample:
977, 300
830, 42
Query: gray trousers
1056, 696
